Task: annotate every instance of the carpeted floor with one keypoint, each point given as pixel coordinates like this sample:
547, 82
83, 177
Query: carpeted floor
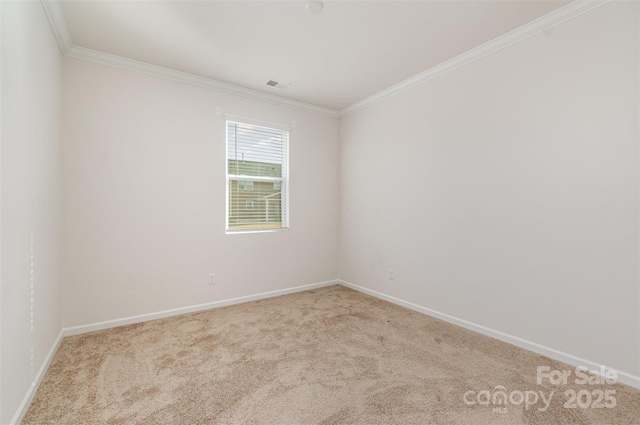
327, 356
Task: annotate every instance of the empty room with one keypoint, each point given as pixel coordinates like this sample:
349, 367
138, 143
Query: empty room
320, 212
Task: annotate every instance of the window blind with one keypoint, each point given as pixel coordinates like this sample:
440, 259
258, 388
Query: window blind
257, 177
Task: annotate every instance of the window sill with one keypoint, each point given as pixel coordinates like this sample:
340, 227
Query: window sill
244, 231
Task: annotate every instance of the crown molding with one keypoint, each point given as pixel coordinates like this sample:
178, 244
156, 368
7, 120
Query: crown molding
60, 29
558, 16
184, 77
58, 24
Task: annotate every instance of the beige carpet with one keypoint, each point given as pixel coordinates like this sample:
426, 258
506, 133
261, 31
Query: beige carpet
328, 356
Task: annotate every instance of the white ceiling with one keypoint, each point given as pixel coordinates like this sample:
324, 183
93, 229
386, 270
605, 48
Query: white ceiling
349, 51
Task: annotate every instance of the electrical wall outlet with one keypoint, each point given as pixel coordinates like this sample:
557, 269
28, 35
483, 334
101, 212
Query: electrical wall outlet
212, 278
390, 274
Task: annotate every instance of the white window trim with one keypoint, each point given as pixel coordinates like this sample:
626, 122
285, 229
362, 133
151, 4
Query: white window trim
284, 180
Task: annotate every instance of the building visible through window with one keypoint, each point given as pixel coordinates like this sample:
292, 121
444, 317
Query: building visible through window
257, 177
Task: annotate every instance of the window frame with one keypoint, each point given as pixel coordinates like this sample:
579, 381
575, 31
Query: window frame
284, 180
243, 185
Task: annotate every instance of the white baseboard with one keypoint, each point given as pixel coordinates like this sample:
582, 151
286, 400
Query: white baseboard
75, 330
31, 392
623, 377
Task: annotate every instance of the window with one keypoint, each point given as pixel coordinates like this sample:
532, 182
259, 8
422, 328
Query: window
257, 176
245, 185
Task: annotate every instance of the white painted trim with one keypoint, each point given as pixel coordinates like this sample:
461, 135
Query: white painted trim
623, 377
58, 24
76, 330
61, 31
31, 392
558, 16
186, 78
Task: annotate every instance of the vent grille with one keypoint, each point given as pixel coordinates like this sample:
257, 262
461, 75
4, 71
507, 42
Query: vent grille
276, 84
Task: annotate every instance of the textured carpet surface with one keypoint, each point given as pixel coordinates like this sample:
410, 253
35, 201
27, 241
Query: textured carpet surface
327, 356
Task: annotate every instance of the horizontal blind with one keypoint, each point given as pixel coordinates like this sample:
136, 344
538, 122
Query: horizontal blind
257, 177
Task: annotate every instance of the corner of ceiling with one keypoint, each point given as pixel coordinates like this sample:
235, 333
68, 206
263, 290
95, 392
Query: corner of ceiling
60, 29
59, 25
543, 23
558, 16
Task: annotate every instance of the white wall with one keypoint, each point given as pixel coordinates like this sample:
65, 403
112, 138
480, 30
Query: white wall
31, 197
505, 192
144, 197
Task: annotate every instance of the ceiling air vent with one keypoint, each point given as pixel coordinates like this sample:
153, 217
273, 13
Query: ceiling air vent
277, 84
